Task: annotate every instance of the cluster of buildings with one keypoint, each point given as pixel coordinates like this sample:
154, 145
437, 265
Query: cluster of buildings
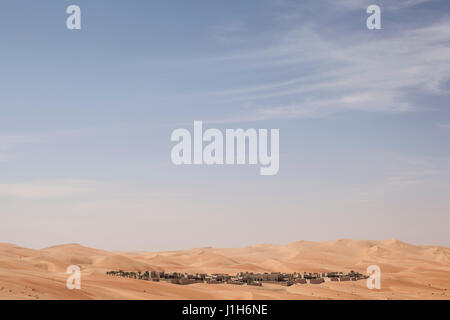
249, 278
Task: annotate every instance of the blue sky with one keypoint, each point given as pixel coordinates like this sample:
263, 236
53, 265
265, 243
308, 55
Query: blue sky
86, 118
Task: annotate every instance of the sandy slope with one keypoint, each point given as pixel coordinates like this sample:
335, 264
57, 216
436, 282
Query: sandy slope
408, 271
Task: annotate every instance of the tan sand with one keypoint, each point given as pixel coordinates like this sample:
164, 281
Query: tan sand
408, 271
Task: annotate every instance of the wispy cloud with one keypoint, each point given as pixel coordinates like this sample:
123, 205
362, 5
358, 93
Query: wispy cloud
46, 189
444, 125
415, 170
390, 5
228, 33
69, 188
8, 142
10, 139
375, 74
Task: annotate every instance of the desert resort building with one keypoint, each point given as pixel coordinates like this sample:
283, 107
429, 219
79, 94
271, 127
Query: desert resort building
241, 278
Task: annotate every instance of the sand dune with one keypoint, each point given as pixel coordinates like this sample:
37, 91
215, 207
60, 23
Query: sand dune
408, 271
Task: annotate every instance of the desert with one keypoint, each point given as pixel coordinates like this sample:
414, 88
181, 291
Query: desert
408, 271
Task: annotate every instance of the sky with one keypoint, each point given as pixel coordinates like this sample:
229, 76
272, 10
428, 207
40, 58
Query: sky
86, 118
